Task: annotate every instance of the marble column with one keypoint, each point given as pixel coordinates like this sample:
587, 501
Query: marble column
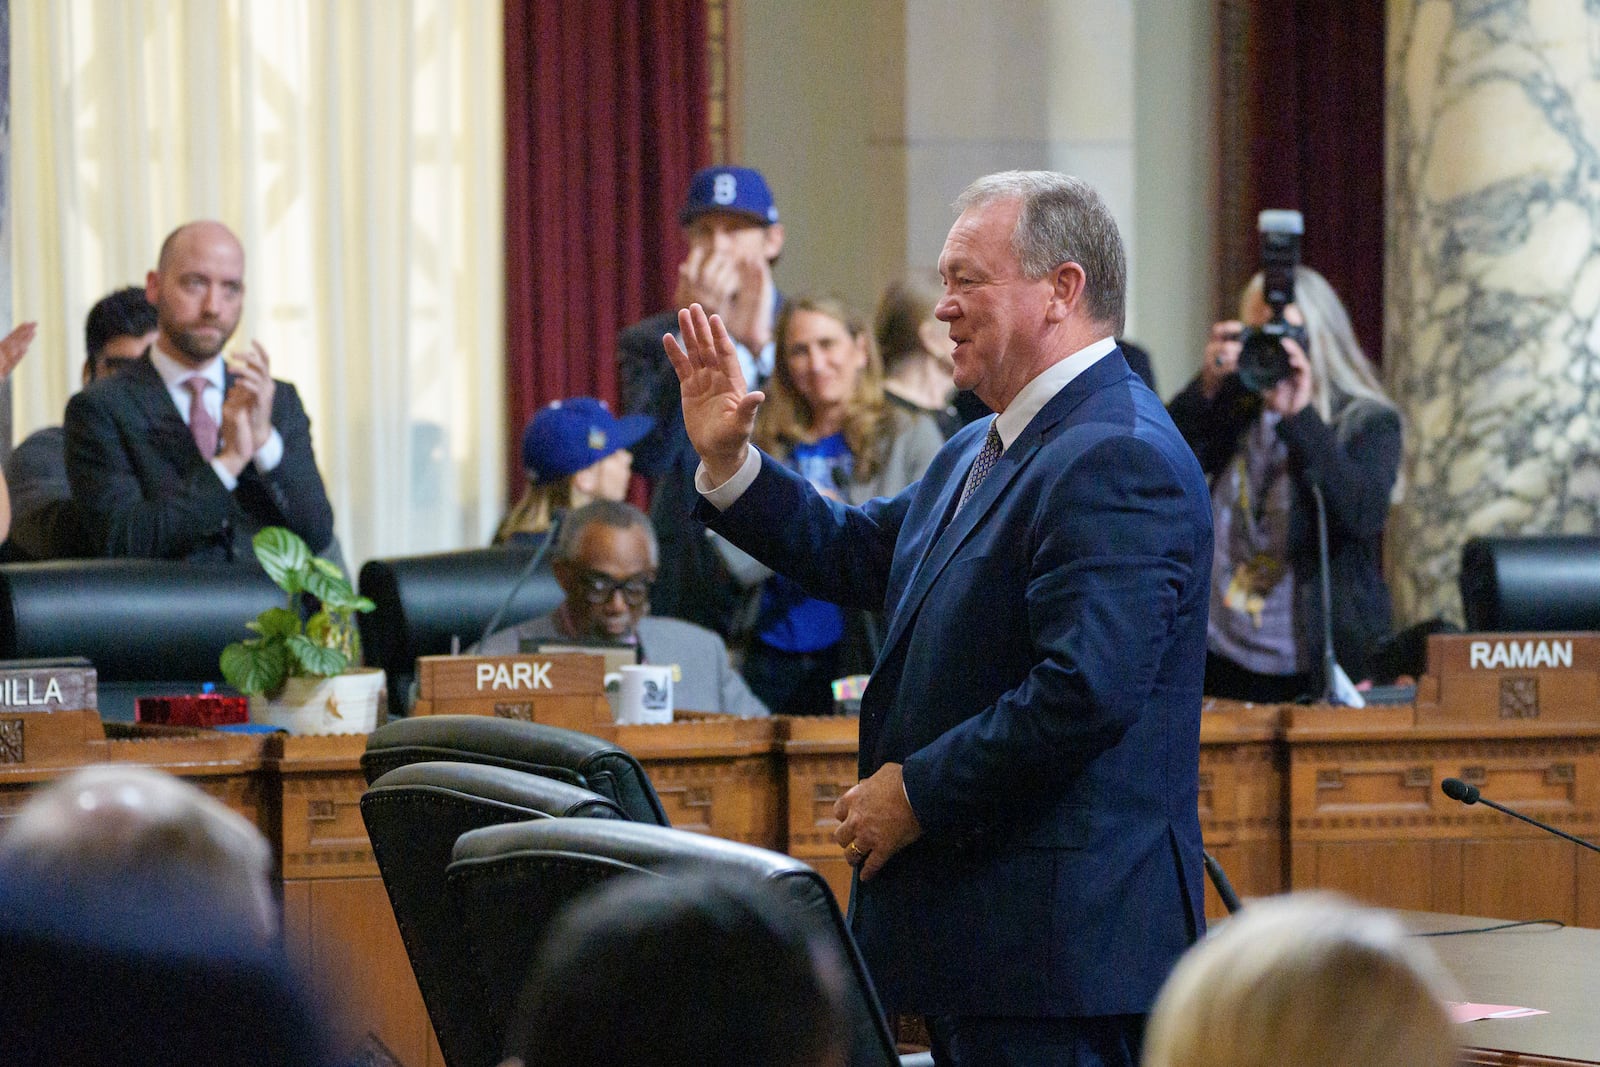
1493, 279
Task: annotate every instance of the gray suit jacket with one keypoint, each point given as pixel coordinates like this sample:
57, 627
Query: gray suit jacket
707, 681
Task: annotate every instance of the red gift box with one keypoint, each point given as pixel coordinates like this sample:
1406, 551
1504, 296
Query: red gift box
207, 709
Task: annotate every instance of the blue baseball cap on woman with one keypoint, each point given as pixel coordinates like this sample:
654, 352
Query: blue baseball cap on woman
565, 436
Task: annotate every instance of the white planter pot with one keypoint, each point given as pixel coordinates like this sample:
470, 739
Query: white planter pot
345, 704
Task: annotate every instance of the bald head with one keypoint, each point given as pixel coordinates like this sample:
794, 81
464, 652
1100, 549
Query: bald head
195, 233
197, 290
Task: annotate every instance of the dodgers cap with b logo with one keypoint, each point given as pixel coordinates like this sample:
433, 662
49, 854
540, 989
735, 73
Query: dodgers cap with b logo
740, 190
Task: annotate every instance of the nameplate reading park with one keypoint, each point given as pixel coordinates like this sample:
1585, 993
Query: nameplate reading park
558, 689
1548, 677
47, 685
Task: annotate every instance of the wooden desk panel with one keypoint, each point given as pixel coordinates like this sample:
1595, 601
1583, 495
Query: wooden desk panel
715, 775
1367, 816
1242, 799
819, 756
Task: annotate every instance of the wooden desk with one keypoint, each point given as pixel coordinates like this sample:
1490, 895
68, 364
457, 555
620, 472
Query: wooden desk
1533, 967
1366, 815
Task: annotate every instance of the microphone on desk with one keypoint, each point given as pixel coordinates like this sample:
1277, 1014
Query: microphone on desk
1456, 789
533, 562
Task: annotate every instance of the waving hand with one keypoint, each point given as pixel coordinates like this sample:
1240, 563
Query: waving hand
718, 413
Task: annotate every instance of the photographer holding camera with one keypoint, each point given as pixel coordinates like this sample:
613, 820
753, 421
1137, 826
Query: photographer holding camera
1285, 405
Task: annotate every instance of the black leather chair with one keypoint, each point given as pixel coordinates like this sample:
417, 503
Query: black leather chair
414, 815
510, 882
1512, 584
565, 755
148, 626
424, 601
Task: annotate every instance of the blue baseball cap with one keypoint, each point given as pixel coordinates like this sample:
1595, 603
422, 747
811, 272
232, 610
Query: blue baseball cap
740, 190
565, 436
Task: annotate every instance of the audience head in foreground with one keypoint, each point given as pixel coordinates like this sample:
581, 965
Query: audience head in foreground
681, 972
137, 927
573, 451
1308, 980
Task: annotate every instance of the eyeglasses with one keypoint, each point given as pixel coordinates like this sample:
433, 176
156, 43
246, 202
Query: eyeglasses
600, 588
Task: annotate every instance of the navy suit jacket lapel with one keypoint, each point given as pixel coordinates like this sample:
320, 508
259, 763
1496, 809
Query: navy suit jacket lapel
984, 499
149, 392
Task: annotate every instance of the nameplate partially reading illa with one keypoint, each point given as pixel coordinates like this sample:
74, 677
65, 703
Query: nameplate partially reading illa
47, 685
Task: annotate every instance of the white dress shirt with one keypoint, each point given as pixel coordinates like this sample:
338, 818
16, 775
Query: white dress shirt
176, 376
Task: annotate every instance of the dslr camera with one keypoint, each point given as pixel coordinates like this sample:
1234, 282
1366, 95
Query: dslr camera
1263, 361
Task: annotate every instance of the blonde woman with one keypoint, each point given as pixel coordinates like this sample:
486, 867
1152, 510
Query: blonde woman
573, 451
826, 416
1328, 426
1308, 980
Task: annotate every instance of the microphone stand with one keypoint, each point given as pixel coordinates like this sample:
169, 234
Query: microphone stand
1329, 664
533, 562
1456, 789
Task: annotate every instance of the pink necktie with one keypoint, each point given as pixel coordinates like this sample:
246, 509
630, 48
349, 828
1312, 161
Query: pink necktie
201, 424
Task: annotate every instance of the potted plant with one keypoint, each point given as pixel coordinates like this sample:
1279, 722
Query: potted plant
298, 673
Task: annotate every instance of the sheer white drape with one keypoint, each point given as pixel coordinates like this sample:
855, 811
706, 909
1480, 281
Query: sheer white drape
355, 147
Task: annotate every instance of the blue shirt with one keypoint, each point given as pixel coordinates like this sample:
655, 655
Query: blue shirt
790, 620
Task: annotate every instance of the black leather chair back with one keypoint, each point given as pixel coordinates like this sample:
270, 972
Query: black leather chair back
1511, 584
414, 815
424, 601
136, 620
511, 881
565, 755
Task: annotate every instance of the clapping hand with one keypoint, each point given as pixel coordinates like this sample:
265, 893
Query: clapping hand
14, 345
239, 443
252, 374
718, 412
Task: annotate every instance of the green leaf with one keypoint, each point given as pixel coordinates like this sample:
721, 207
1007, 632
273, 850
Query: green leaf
327, 566
315, 660
254, 667
332, 589
276, 622
284, 556
363, 605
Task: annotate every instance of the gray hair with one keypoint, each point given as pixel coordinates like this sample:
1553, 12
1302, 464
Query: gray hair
613, 513
1063, 220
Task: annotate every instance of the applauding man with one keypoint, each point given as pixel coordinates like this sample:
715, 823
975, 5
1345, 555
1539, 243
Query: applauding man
730, 221
181, 456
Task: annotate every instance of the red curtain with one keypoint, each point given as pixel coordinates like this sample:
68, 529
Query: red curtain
1303, 127
606, 120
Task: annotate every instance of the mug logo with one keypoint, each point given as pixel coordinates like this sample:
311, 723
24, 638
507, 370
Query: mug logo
655, 696
724, 189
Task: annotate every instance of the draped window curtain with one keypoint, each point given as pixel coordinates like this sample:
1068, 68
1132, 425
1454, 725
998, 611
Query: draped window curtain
1302, 125
355, 147
606, 120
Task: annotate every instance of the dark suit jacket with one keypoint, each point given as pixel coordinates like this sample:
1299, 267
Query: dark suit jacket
144, 490
1040, 682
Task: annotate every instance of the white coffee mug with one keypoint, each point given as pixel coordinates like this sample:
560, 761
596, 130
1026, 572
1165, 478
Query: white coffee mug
640, 694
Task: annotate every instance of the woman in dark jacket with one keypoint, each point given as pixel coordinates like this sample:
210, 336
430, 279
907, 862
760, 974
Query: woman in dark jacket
1329, 426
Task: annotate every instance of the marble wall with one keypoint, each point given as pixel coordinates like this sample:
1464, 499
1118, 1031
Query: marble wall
1493, 278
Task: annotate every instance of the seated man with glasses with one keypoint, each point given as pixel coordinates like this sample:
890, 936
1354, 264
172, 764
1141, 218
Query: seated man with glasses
605, 560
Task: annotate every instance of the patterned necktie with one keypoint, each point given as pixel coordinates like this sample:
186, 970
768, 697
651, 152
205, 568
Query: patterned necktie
201, 424
981, 466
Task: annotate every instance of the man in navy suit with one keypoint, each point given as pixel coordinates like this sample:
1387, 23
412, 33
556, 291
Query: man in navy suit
181, 456
1025, 831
